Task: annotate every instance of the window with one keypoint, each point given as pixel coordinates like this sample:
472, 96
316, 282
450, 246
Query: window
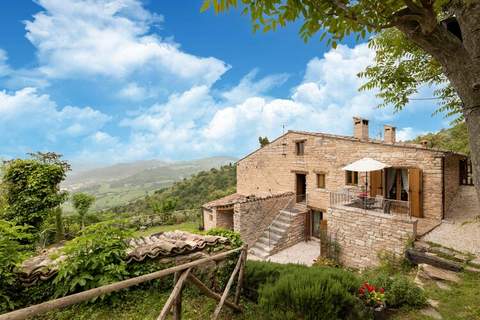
466, 175
299, 148
351, 177
321, 180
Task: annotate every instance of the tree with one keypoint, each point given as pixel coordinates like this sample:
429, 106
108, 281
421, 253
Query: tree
30, 188
82, 203
443, 31
263, 141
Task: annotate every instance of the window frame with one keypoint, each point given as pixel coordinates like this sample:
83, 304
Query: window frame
351, 178
300, 151
318, 175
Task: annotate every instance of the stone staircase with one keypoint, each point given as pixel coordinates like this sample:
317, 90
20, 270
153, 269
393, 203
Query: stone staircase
267, 243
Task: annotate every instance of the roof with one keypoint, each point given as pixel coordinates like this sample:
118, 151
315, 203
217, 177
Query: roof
167, 244
350, 138
226, 201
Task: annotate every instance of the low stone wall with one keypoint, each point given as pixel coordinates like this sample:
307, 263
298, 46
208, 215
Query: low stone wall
295, 234
251, 217
362, 235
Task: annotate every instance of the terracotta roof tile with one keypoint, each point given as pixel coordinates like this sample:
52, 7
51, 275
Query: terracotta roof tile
167, 244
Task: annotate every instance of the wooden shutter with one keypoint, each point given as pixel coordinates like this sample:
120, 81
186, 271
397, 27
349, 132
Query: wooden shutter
415, 194
376, 183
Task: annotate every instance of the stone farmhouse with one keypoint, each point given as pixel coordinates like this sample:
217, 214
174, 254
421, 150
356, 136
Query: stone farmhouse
294, 188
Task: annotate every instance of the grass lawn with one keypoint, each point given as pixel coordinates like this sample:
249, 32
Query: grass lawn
462, 302
188, 226
146, 305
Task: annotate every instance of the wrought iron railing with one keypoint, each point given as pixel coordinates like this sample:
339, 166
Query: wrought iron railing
364, 202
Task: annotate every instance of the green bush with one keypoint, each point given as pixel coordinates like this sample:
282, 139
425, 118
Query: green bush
12, 252
399, 290
312, 293
233, 236
257, 273
95, 258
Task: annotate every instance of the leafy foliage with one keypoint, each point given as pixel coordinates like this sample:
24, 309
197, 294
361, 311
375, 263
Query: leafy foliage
31, 188
453, 139
263, 141
399, 290
95, 258
400, 68
234, 237
82, 202
12, 252
186, 194
313, 293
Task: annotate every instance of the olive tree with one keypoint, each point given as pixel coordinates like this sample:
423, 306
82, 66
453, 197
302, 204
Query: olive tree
445, 33
82, 203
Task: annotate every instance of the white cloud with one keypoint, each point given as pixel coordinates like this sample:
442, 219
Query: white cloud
195, 123
26, 116
409, 133
250, 87
111, 38
133, 91
4, 68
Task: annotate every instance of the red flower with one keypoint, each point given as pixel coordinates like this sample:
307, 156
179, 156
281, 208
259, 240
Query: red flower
382, 290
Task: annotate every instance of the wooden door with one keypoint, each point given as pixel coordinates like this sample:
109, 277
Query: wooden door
415, 194
376, 183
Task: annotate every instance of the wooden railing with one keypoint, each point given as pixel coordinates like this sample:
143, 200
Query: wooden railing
377, 204
182, 274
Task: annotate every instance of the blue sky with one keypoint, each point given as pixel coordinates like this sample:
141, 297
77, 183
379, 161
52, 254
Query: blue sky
107, 81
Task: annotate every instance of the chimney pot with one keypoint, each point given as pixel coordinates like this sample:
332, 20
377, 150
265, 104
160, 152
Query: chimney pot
389, 134
360, 128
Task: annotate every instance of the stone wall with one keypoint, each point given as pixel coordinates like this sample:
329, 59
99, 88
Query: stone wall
363, 235
465, 205
294, 234
253, 216
452, 178
272, 168
209, 218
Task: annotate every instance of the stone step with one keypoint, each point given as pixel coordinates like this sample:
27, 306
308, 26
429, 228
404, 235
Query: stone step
284, 219
265, 241
287, 213
258, 253
280, 225
277, 231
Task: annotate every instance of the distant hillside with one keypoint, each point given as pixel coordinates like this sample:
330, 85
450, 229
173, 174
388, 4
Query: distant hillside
186, 194
453, 139
119, 184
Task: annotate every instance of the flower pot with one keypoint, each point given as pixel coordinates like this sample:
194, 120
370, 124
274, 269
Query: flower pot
380, 313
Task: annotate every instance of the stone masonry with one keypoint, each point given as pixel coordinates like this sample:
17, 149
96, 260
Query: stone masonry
272, 168
362, 235
251, 217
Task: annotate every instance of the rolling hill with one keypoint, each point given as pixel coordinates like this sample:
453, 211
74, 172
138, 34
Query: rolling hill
122, 183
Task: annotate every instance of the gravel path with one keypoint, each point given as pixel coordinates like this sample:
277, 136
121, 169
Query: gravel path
458, 236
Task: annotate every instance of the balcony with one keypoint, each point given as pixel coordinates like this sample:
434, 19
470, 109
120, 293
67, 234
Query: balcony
365, 203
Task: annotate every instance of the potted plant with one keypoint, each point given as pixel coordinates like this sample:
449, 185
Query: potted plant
373, 298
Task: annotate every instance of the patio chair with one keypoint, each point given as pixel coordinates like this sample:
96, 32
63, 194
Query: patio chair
386, 206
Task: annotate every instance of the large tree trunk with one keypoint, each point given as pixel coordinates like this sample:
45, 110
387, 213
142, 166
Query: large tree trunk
460, 59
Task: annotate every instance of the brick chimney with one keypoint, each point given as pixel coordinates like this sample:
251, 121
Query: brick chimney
360, 128
389, 134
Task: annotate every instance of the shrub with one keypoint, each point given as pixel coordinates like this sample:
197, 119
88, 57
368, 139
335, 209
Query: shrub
312, 293
95, 258
257, 273
399, 290
12, 251
233, 236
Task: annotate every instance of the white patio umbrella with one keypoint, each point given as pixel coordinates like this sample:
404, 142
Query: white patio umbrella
366, 165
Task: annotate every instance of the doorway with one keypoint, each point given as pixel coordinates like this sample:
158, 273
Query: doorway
316, 218
301, 187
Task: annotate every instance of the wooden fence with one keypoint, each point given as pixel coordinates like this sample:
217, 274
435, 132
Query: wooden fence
182, 273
